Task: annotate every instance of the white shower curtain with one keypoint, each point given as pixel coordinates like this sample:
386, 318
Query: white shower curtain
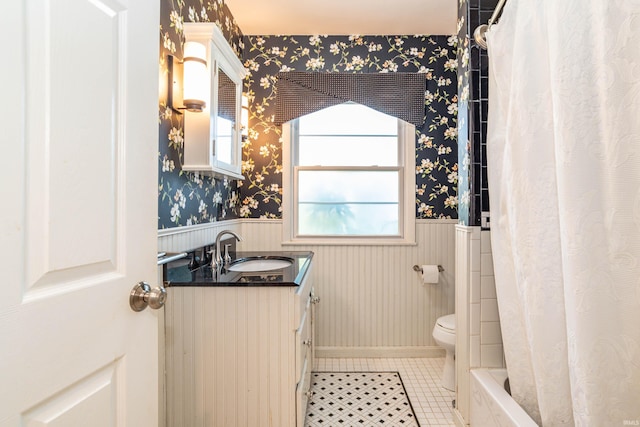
564, 183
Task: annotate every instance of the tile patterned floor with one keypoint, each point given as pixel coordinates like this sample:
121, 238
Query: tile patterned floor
421, 378
359, 398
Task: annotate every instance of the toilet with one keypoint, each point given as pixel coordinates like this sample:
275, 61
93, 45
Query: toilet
444, 333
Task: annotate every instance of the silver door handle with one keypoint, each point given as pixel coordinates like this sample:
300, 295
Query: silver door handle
142, 296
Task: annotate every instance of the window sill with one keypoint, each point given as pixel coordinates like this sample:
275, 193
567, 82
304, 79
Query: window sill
349, 242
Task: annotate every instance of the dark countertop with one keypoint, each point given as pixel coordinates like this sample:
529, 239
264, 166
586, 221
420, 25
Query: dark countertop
178, 273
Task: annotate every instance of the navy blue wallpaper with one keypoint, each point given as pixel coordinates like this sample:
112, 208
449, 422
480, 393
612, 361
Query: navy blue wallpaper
187, 198
436, 143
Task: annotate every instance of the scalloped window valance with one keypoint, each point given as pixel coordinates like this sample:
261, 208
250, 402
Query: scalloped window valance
399, 95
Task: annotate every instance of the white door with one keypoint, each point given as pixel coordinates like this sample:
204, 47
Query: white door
78, 187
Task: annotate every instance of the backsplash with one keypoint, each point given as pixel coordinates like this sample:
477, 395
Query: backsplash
436, 143
188, 198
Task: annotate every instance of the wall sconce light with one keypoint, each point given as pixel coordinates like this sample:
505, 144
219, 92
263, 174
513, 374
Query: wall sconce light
189, 80
244, 117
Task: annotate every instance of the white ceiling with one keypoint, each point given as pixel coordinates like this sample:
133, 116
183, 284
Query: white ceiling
345, 17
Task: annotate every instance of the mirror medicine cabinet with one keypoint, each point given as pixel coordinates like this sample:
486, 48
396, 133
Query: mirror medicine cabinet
212, 138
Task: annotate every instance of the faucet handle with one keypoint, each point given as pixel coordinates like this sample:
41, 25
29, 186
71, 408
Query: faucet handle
206, 255
213, 258
193, 263
227, 257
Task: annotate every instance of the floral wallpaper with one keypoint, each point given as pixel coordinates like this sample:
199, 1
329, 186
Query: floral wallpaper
188, 198
436, 142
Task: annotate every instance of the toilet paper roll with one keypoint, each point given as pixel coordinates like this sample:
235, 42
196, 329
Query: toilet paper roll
430, 273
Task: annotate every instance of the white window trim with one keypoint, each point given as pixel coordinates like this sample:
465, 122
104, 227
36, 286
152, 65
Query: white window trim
407, 144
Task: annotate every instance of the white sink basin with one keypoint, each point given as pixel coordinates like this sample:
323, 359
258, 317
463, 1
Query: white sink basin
252, 264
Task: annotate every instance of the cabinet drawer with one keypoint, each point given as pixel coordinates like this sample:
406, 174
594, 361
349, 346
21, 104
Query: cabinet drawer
303, 393
303, 341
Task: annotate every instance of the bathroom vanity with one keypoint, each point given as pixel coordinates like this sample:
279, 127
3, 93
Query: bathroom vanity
239, 344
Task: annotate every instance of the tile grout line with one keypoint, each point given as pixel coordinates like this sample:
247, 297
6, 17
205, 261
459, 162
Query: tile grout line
420, 378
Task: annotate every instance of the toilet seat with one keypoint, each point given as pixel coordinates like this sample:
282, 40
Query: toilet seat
447, 322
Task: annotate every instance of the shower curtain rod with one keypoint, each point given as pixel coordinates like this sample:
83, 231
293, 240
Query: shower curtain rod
480, 33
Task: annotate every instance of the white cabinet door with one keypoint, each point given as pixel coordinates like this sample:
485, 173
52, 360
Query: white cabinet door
78, 185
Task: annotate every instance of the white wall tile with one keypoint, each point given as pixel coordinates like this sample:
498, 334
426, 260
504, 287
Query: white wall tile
475, 256
485, 241
490, 333
489, 310
488, 287
474, 352
474, 319
475, 233
486, 264
475, 287
491, 356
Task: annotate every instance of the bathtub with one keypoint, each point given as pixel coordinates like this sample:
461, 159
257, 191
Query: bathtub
491, 405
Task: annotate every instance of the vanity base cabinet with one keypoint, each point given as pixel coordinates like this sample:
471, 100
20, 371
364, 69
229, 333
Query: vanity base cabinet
238, 356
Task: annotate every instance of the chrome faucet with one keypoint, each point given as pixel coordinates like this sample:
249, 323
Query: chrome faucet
220, 261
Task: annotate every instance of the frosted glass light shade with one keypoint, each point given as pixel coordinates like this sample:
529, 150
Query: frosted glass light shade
195, 76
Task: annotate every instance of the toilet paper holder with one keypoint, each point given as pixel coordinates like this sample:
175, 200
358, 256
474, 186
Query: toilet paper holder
419, 269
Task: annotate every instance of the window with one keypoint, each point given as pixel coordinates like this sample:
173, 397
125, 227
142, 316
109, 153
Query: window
349, 177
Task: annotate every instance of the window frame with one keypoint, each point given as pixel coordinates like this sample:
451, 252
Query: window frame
406, 181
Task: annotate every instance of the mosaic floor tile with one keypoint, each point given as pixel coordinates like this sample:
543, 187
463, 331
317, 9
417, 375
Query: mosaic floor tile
359, 399
421, 378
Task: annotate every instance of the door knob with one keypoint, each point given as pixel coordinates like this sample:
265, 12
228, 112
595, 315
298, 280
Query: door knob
142, 296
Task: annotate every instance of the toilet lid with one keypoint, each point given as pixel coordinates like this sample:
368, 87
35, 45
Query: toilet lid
448, 322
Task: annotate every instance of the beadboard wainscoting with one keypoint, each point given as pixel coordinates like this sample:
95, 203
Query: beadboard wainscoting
372, 302
224, 363
182, 239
